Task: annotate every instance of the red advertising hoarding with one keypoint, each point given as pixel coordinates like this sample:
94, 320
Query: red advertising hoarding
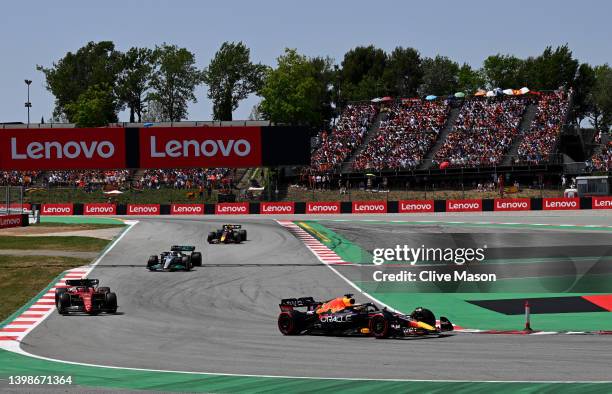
512, 204
99, 209
415, 206
556, 204
16, 207
463, 205
7, 221
323, 207
601, 202
232, 208
187, 209
57, 209
143, 209
369, 207
269, 208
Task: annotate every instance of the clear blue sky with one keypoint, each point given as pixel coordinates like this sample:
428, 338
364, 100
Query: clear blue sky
40, 32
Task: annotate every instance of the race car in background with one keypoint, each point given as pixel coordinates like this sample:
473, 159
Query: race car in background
229, 233
84, 295
341, 316
179, 258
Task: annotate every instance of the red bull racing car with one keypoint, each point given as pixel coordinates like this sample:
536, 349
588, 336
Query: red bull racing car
84, 295
230, 233
341, 316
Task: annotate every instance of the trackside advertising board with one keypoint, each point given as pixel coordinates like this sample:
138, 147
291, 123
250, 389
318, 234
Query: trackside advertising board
556, 204
16, 207
57, 209
601, 203
463, 205
512, 204
7, 221
369, 206
232, 208
323, 207
187, 209
269, 208
415, 206
143, 209
35, 149
99, 209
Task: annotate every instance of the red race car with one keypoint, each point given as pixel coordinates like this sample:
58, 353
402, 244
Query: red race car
84, 295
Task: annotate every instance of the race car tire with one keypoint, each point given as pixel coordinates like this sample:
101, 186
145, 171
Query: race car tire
153, 260
196, 259
110, 302
211, 237
243, 235
424, 315
185, 263
58, 292
289, 323
63, 303
103, 289
237, 238
379, 326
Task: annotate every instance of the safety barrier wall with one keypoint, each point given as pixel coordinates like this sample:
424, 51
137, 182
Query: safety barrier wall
329, 207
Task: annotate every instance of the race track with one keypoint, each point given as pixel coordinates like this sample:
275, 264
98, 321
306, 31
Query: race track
221, 318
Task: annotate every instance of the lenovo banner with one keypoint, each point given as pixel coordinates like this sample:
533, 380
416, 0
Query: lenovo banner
552, 204
415, 206
268, 208
322, 207
463, 205
34, 149
99, 209
16, 207
369, 207
7, 221
143, 209
172, 147
601, 202
187, 209
232, 208
57, 209
512, 204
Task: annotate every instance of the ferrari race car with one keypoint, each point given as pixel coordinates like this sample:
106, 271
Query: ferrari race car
341, 316
84, 295
179, 258
229, 234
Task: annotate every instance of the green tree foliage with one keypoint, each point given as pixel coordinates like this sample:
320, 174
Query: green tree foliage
469, 80
93, 107
504, 71
550, 70
174, 81
440, 76
583, 97
601, 113
231, 77
403, 72
361, 73
97, 63
137, 66
296, 91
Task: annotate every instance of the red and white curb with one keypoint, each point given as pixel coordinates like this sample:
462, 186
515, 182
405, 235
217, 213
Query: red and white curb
322, 252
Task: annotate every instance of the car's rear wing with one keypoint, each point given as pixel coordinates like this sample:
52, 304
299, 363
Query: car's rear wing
182, 248
287, 304
82, 282
233, 226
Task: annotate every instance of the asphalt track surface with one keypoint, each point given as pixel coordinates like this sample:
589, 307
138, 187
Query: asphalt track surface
221, 318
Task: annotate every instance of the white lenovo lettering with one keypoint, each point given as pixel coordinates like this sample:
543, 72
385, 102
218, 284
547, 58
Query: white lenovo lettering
56, 210
194, 148
369, 207
103, 209
323, 208
56, 150
10, 222
416, 207
512, 205
188, 209
561, 204
464, 205
603, 203
232, 209
145, 209
277, 208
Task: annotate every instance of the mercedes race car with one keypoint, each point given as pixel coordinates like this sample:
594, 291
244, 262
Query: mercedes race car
84, 295
179, 258
341, 316
230, 233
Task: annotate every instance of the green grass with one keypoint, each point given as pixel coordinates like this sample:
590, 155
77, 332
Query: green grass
78, 226
68, 243
22, 277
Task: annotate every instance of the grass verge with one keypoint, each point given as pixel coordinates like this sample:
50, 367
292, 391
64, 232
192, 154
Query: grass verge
22, 277
68, 243
77, 226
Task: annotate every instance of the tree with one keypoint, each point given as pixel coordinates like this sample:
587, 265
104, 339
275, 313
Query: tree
93, 107
403, 72
551, 69
361, 73
601, 114
97, 63
174, 81
439, 76
295, 91
134, 78
469, 80
583, 89
504, 71
231, 77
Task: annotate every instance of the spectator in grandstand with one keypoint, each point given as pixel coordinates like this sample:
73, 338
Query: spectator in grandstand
88, 179
601, 161
185, 178
18, 178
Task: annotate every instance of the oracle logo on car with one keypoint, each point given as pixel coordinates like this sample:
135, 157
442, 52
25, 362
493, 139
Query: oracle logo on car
57, 209
187, 209
232, 208
551, 204
165, 147
602, 203
99, 209
512, 204
322, 207
7, 221
62, 148
410, 206
268, 208
463, 205
143, 209
369, 206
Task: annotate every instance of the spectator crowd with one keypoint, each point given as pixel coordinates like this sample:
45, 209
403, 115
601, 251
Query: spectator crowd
88, 179
602, 161
405, 136
18, 178
183, 178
